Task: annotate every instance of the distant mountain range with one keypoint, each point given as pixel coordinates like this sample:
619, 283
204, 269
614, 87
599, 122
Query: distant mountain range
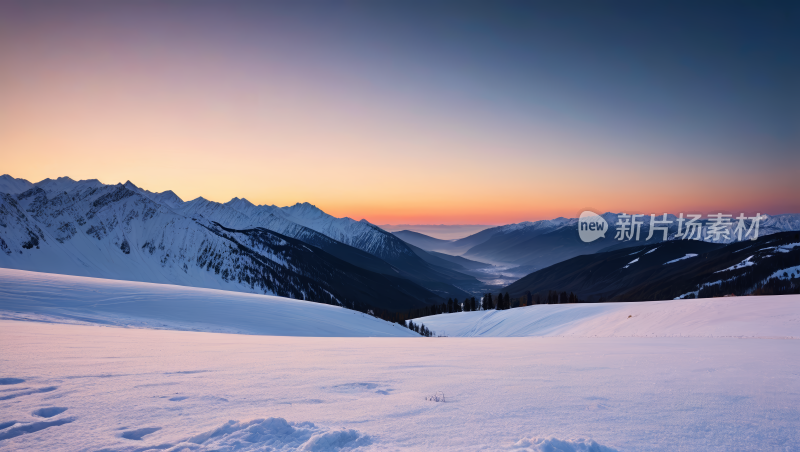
439, 231
121, 231
530, 246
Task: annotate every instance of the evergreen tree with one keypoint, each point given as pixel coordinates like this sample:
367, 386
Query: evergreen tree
472, 304
449, 305
507, 301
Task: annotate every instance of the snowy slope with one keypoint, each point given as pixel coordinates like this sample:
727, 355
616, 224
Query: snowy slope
168, 198
75, 299
762, 317
360, 234
214, 211
291, 220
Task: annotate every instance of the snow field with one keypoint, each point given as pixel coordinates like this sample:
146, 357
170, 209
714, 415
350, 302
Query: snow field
130, 389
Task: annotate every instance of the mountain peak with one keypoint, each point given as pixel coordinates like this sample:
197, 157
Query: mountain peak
240, 201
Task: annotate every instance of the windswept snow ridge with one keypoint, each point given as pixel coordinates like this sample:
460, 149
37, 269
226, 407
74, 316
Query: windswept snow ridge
73, 299
273, 434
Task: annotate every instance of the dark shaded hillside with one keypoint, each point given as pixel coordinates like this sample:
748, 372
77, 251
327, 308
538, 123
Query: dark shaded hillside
312, 273
540, 250
657, 272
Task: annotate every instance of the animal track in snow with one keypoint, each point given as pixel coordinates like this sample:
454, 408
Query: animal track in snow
11, 381
178, 399
49, 412
33, 427
29, 392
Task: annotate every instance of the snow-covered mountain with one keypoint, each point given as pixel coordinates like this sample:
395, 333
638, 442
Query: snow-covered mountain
86, 228
306, 222
241, 213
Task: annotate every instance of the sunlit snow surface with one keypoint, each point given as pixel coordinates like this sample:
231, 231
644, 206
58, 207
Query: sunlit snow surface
92, 387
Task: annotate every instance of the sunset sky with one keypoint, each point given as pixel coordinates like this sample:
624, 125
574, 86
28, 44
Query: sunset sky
412, 113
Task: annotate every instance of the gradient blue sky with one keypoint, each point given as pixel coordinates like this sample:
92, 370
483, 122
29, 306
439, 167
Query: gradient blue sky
412, 112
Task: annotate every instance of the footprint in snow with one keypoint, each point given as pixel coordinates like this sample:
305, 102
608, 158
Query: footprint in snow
28, 392
49, 412
140, 433
23, 429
